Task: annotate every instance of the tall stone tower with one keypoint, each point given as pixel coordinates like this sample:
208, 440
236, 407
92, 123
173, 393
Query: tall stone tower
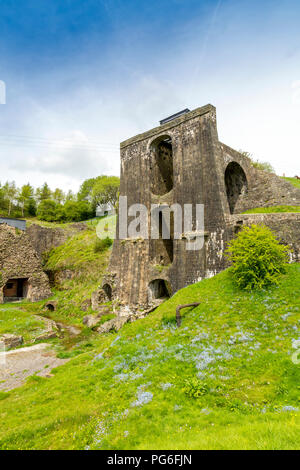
183, 162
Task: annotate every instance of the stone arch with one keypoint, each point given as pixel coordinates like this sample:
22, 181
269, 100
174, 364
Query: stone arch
236, 184
159, 289
161, 165
108, 290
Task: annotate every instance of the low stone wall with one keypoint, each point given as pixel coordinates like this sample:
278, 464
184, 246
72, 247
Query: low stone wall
286, 226
43, 239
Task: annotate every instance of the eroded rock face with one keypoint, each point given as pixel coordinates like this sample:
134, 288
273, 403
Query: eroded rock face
113, 325
21, 271
98, 297
44, 239
90, 320
11, 341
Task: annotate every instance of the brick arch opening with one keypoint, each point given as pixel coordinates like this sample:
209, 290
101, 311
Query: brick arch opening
236, 184
159, 289
161, 165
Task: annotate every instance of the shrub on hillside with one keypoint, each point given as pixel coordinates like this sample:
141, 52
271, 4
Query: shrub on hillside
101, 244
258, 259
74, 211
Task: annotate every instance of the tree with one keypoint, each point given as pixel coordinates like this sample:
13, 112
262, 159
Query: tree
106, 190
43, 193
74, 211
47, 210
58, 196
10, 193
70, 196
25, 196
85, 190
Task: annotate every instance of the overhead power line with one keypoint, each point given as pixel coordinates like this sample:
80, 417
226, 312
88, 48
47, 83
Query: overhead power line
17, 140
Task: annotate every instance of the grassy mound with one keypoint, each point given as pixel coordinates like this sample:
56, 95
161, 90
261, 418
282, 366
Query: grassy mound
270, 210
224, 380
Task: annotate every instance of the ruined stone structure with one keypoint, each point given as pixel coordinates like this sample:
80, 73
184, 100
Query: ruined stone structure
21, 274
182, 161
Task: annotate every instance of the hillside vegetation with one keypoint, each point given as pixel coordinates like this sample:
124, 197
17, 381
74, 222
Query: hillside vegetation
294, 181
78, 270
270, 210
224, 380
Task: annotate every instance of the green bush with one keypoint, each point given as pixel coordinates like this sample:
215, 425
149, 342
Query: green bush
258, 259
47, 210
195, 387
101, 244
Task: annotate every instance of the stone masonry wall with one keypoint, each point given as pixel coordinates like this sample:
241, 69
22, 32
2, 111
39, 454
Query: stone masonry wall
286, 227
183, 162
264, 189
18, 260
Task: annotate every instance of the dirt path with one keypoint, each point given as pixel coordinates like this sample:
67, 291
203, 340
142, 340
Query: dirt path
18, 364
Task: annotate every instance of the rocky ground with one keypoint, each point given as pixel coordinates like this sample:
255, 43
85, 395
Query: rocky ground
18, 364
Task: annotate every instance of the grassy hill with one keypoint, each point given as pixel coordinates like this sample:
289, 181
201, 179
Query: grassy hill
269, 210
294, 181
224, 380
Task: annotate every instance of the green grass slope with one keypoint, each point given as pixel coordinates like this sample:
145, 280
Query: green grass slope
269, 210
80, 270
294, 181
224, 380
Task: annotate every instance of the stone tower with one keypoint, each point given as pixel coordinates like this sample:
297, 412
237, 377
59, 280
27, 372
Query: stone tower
183, 162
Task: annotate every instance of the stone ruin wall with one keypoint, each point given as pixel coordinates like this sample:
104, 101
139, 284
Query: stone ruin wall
264, 189
19, 260
203, 170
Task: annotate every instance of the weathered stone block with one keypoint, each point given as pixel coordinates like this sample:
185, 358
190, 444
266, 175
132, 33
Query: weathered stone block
11, 341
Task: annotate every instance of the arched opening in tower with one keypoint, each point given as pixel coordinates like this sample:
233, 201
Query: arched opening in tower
161, 165
159, 289
236, 184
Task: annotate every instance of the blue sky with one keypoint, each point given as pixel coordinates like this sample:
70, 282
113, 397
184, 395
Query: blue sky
81, 76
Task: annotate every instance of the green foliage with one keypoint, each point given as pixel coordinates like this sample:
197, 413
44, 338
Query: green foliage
50, 211
195, 388
47, 210
88, 402
43, 193
106, 190
74, 211
266, 166
258, 258
100, 190
270, 210
102, 244
24, 201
